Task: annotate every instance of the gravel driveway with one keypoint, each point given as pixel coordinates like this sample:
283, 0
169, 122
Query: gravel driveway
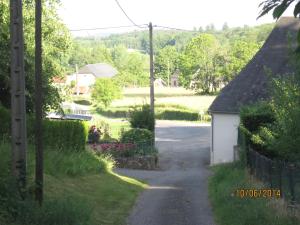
177, 193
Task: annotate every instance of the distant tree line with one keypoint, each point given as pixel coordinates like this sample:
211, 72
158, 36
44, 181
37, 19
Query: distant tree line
206, 58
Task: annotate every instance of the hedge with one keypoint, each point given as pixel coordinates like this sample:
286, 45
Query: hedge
257, 115
57, 134
65, 135
177, 115
253, 119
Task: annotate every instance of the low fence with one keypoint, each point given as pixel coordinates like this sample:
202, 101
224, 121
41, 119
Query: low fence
276, 174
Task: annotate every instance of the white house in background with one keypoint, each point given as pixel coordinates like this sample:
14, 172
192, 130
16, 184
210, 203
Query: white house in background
87, 75
250, 86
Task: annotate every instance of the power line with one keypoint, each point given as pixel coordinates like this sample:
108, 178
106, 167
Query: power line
140, 26
127, 15
173, 28
107, 28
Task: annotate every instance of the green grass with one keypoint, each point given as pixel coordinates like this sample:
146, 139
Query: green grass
80, 189
110, 196
232, 210
115, 124
162, 112
174, 96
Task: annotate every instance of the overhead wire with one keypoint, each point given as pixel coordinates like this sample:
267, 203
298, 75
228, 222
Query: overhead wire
173, 28
105, 28
127, 15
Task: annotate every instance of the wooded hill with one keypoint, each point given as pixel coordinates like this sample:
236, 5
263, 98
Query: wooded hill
207, 58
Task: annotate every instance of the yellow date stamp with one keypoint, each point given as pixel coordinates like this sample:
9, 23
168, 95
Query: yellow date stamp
257, 193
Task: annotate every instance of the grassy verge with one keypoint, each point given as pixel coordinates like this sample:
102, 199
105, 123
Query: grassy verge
80, 189
232, 210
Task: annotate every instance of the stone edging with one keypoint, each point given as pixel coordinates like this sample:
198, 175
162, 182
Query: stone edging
149, 162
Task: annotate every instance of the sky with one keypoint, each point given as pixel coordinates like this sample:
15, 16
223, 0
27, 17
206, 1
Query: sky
185, 14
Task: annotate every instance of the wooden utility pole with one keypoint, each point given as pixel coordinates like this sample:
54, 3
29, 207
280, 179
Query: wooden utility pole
168, 73
151, 68
39, 179
18, 107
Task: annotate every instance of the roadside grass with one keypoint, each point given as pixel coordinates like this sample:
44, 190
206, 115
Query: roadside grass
80, 189
109, 196
232, 210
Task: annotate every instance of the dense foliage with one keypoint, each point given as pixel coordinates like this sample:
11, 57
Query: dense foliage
274, 129
138, 136
56, 43
105, 91
142, 118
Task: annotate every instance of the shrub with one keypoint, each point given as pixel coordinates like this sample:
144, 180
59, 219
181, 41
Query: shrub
142, 118
138, 136
60, 134
254, 116
65, 135
165, 114
105, 91
254, 131
286, 106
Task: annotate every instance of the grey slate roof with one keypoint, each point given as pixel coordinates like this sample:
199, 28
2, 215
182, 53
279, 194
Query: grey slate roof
251, 84
99, 70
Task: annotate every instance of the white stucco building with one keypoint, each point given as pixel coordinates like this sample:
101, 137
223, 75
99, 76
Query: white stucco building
87, 75
249, 86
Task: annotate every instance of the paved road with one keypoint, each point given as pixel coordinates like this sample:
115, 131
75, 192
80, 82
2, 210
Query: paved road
177, 193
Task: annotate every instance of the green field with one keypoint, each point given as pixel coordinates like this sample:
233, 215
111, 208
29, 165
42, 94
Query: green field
170, 104
166, 96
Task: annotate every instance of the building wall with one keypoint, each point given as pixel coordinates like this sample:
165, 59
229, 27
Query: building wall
84, 80
224, 135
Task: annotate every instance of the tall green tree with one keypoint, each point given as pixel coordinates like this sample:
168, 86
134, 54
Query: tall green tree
239, 54
105, 91
166, 62
200, 63
132, 67
56, 43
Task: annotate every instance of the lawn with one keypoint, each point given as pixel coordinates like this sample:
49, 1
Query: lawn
232, 210
170, 104
167, 96
80, 189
